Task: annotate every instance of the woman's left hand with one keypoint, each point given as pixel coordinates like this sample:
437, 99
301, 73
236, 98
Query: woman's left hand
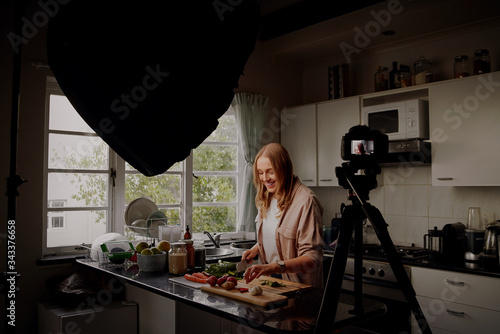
258, 270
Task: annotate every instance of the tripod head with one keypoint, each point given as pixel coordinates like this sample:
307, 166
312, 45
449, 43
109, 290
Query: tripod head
362, 148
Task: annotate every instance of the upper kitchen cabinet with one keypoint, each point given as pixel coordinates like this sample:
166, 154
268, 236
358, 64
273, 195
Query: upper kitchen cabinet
464, 119
312, 134
298, 136
335, 118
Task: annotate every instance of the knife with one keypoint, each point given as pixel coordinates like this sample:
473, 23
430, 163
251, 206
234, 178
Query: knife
242, 265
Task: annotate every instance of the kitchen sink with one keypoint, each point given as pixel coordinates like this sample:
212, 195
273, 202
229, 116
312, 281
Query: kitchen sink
244, 245
218, 252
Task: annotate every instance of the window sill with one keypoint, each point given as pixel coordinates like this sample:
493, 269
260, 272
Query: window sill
58, 259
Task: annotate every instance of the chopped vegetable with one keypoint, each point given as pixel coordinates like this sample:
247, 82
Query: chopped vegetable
243, 289
224, 268
274, 284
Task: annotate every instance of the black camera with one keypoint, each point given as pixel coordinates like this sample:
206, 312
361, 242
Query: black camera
361, 144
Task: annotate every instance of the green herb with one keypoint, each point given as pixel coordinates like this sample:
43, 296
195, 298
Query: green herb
224, 268
274, 284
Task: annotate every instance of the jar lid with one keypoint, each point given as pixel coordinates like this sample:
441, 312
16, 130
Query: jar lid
178, 245
462, 57
187, 241
481, 52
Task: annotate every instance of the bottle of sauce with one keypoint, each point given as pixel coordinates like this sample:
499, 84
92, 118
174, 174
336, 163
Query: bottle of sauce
190, 254
177, 258
187, 234
199, 255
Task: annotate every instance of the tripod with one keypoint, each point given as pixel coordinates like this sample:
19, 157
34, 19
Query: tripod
352, 220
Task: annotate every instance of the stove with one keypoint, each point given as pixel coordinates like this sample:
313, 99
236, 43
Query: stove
407, 254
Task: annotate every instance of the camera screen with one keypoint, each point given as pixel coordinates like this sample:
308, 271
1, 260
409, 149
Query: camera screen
362, 147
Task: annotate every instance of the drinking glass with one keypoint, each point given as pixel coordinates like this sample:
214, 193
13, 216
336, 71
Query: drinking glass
176, 232
474, 221
165, 232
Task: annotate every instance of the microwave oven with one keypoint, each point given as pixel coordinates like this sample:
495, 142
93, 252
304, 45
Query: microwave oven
402, 120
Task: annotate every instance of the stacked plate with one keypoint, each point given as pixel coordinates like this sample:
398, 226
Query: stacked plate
142, 217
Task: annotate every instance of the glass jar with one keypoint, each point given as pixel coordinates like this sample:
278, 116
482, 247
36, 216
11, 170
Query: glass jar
461, 67
199, 255
177, 258
190, 254
481, 62
381, 79
421, 67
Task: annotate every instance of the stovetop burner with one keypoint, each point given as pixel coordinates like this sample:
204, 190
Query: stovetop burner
410, 253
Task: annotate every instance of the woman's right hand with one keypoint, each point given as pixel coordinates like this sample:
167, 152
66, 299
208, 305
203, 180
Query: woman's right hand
249, 254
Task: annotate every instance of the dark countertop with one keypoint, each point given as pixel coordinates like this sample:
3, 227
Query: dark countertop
298, 316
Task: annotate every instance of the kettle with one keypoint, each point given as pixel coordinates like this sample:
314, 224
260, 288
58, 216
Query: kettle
490, 248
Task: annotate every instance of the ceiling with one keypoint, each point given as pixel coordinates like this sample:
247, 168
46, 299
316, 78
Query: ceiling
310, 30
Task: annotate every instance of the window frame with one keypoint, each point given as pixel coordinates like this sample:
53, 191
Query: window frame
116, 172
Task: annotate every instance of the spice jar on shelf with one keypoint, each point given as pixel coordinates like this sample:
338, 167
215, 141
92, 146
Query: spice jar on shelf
177, 258
461, 66
381, 79
421, 67
481, 62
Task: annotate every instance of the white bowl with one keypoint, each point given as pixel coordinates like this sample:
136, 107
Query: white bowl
151, 263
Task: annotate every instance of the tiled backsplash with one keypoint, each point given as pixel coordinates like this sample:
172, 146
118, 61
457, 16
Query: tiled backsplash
411, 206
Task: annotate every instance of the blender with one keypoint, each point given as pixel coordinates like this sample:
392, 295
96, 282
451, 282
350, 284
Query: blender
474, 235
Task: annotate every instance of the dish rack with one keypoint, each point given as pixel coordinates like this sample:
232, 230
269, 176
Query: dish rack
109, 260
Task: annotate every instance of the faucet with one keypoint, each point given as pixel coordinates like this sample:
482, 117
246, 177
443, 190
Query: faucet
215, 238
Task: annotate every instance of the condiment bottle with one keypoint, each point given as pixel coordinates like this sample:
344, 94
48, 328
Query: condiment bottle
190, 254
392, 75
461, 67
177, 258
381, 79
481, 62
199, 255
421, 67
187, 234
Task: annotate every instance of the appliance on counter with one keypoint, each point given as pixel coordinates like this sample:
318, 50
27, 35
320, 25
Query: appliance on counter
490, 248
447, 245
474, 235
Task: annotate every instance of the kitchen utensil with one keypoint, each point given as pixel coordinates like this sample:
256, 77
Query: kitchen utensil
474, 235
242, 265
490, 248
267, 299
433, 242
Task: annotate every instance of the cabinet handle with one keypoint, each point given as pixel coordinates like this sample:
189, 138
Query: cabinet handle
445, 178
455, 313
449, 281
307, 180
326, 180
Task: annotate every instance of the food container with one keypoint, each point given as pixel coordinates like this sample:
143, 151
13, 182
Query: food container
381, 79
421, 67
461, 67
151, 263
481, 62
118, 251
177, 258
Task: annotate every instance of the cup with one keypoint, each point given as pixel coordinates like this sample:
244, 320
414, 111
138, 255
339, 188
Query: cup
474, 221
176, 233
165, 232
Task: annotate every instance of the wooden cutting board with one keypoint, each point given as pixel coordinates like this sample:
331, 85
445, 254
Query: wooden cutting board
289, 288
267, 299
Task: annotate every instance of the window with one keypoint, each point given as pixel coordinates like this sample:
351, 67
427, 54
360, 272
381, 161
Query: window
88, 186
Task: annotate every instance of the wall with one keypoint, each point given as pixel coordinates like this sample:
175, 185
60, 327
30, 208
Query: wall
411, 206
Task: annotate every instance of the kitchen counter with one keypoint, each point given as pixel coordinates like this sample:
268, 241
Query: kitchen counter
298, 316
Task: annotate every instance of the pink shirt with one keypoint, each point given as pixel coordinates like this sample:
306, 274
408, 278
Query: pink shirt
299, 232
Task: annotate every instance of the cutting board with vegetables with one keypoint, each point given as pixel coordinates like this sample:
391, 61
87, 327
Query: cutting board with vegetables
279, 286
267, 299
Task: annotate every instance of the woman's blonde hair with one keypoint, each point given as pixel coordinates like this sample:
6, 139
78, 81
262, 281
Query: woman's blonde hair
283, 169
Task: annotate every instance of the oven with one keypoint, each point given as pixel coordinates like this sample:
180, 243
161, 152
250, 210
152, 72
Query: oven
380, 283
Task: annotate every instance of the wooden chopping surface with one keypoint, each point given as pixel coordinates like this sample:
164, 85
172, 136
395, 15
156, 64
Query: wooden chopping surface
272, 296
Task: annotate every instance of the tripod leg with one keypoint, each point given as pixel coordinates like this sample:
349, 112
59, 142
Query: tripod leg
326, 318
380, 227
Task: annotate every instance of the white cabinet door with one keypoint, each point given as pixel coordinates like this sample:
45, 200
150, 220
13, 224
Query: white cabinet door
335, 118
465, 120
298, 136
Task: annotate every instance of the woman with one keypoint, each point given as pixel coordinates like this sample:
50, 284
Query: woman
289, 226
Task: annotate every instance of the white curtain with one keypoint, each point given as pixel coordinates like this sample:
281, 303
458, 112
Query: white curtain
251, 111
